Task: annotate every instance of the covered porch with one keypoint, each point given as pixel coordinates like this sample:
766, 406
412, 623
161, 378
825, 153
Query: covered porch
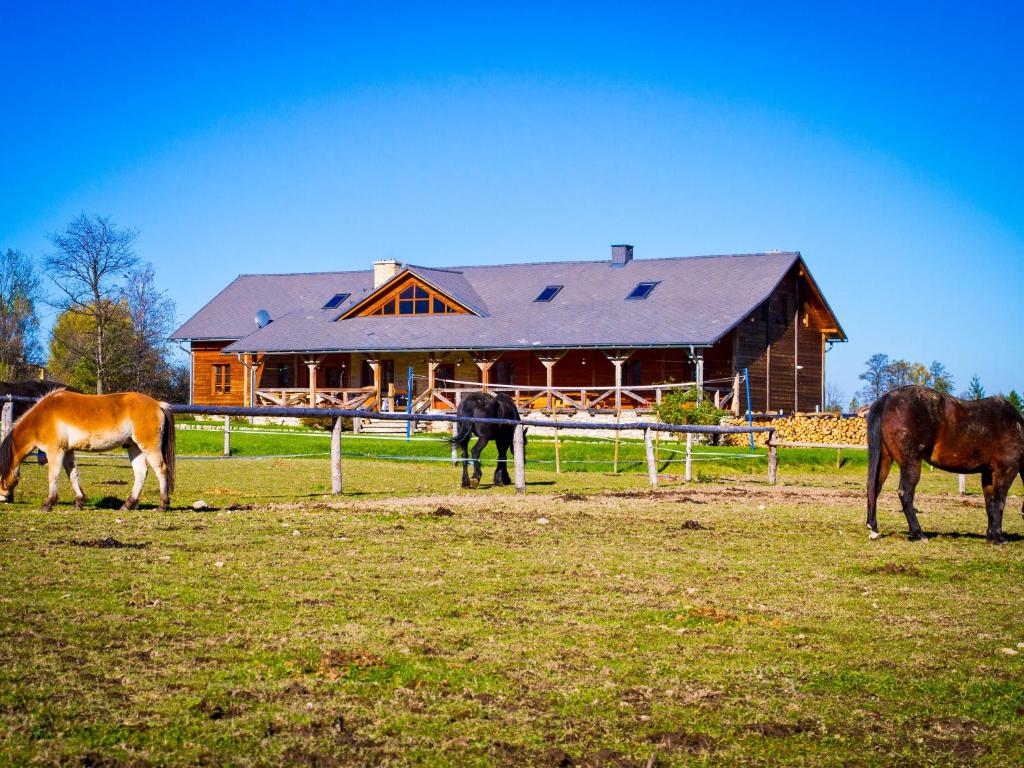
563, 381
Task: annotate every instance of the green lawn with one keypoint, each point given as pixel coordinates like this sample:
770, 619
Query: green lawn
410, 622
578, 453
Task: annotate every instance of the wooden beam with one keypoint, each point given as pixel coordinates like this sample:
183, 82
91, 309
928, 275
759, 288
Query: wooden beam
617, 357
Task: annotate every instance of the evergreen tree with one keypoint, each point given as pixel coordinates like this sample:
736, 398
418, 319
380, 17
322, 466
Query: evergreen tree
974, 390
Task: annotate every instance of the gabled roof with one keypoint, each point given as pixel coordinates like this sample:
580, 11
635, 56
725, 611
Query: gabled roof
449, 282
697, 301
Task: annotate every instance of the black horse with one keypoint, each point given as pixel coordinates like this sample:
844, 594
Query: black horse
485, 406
914, 424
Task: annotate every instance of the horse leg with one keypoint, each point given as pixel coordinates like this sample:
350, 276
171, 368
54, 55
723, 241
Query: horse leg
501, 471
478, 447
156, 461
53, 473
873, 493
995, 485
72, 469
505, 449
465, 463
138, 460
910, 475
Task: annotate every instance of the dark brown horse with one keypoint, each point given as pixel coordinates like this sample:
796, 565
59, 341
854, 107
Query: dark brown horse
914, 424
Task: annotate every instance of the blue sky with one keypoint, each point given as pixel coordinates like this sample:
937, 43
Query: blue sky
884, 142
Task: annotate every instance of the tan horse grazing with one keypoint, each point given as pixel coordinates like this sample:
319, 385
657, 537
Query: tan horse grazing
64, 422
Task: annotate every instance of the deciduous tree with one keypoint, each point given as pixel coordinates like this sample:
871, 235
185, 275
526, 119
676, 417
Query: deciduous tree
91, 258
19, 322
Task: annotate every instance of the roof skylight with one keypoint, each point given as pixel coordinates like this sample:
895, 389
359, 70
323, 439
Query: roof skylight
642, 290
549, 293
336, 301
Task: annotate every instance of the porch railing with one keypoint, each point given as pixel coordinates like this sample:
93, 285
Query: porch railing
448, 393
295, 397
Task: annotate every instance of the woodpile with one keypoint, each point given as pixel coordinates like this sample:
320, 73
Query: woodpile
824, 428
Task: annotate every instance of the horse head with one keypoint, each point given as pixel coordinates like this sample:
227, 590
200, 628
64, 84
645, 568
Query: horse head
9, 472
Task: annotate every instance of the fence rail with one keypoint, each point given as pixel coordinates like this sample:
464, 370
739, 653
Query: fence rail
518, 441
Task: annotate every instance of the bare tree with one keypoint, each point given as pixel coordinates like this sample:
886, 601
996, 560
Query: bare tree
833, 397
152, 315
19, 324
91, 256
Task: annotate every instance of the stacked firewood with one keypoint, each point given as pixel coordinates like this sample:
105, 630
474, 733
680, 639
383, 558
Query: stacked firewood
820, 428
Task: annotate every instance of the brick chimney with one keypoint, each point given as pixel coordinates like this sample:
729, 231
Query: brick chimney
621, 255
384, 270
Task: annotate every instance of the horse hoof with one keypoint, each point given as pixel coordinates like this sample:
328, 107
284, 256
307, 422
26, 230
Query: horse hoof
79, 503
872, 535
999, 538
474, 483
919, 536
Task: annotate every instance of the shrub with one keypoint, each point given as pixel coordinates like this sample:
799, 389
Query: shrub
324, 423
681, 407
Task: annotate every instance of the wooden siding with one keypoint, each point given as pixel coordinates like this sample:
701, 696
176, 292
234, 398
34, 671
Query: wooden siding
773, 340
205, 355
374, 302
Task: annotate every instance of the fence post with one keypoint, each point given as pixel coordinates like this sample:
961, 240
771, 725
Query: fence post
518, 454
227, 435
652, 466
689, 456
7, 419
773, 459
962, 484
558, 452
336, 456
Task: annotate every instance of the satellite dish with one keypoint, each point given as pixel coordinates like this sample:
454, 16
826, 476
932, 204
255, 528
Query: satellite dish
262, 318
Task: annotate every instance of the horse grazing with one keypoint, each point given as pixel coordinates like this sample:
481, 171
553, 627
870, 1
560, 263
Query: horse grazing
484, 406
64, 422
914, 424
33, 389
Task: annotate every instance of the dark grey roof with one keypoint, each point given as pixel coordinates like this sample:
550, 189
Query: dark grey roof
697, 301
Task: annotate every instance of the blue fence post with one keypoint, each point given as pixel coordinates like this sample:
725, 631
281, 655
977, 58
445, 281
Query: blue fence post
408, 405
750, 416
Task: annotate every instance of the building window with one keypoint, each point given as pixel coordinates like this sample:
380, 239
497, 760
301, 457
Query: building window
335, 301
222, 379
415, 300
642, 291
549, 293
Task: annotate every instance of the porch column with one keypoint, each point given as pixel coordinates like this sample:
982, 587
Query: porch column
312, 365
484, 361
374, 363
432, 363
548, 360
736, 395
697, 358
617, 357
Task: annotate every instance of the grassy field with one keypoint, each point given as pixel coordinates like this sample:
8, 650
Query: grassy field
592, 622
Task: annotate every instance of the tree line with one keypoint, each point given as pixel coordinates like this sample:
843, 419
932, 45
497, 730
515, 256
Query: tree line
112, 324
882, 374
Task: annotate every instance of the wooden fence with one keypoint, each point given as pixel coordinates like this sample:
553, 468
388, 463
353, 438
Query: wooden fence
518, 440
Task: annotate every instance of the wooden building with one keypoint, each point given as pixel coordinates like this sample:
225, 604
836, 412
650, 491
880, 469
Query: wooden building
573, 336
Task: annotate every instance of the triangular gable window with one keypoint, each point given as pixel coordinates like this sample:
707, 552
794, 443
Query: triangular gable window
409, 297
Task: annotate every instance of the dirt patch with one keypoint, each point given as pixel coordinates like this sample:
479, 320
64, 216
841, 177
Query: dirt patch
301, 757
693, 525
962, 748
336, 663
443, 512
894, 569
112, 482
240, 507
571, 497
108, 543
710, 613
683, 741
782, 730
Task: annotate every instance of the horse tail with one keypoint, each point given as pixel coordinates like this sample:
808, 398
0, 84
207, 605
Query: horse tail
874, 417
461, 436
168, 444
